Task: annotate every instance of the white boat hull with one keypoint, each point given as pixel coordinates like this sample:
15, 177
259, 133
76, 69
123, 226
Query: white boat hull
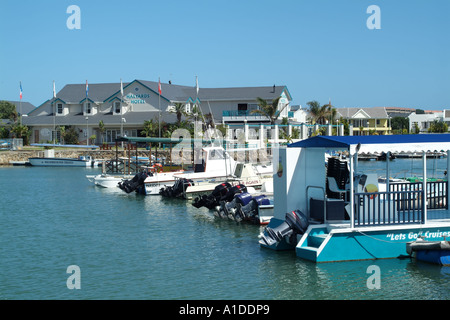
106, 181
60, 162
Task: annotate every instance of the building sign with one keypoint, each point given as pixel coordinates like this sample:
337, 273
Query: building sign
137, 98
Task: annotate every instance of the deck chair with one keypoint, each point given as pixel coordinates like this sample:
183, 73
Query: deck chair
332, 185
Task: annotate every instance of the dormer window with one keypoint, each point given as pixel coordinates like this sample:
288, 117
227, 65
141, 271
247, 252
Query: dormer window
116, 107
87, 108
59, 108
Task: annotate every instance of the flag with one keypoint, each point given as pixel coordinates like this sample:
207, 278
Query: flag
54, 91
20, 90
159, 86
196, 84
121, 87
87, 89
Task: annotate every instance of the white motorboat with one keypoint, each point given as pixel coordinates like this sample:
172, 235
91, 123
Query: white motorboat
216, 165
82, 161
107, 180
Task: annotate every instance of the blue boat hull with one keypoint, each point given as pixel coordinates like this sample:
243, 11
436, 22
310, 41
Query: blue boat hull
441, 257
345, 245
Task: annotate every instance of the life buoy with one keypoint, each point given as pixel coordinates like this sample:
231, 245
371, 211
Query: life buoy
157, 167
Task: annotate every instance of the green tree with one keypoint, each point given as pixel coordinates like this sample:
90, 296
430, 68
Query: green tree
62, 132
321, 114
101, 129
270, 110
179, 109
150, 128
22, 132
8, 111
70, 136
4, 133
438, 127
399, 124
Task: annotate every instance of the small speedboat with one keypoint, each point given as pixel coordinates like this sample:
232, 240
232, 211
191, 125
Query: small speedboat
107, 180
437, 252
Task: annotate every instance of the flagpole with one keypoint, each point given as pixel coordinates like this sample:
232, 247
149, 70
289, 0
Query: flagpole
87, 117
20, 104
54, 114
159, 106
121, 112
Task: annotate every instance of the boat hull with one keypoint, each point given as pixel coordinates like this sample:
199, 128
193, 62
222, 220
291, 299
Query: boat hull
59, 162
345, 244
441, 257
106, 181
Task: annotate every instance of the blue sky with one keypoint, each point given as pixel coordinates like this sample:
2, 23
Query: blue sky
319, 49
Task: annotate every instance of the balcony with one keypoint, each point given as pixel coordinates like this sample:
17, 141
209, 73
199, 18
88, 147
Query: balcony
242, 115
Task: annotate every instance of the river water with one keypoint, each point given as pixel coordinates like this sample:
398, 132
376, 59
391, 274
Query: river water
128, 246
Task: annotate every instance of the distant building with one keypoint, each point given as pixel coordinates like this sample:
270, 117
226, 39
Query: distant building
423, 122
142, 101
366, 121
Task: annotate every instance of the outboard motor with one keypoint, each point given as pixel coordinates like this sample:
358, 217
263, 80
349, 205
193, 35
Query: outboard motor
295, 223
212, 200
135, 183
250, 210
229, 196
177, 189
229, 209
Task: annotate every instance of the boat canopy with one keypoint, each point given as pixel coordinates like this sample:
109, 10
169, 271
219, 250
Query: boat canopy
54, 145
158, 140
384, 143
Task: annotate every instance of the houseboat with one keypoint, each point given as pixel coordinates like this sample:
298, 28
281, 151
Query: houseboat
337, 213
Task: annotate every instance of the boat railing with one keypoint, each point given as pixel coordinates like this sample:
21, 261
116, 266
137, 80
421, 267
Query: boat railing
388, 208
436, 191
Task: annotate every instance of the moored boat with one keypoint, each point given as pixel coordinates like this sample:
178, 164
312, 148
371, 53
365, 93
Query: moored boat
437, 252
82, 161
107, 180
347, 216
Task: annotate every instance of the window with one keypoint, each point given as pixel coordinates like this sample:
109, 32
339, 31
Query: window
188, 108
87, 108
117, 107
59, 108
378, 122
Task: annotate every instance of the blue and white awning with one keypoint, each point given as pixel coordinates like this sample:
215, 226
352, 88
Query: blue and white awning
379, 144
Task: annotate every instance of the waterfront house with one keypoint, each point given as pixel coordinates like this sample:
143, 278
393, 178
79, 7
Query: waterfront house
123, 111
422, 122
366, 121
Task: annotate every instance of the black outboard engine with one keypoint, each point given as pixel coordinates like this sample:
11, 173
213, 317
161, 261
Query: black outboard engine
296, 223
229, 196
177, 189
135, 183
212, 200
250, 210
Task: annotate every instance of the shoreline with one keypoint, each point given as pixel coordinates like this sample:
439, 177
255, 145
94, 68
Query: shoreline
9, 158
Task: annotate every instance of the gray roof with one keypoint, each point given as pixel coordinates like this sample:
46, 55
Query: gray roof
26, 107
99, 92
374, 112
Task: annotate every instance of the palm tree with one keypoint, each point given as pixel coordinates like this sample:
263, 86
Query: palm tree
101, 129
320, 114
270, 110
179, 110
149, 128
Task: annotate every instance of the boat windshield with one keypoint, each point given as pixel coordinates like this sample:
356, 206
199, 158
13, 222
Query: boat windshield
217, 154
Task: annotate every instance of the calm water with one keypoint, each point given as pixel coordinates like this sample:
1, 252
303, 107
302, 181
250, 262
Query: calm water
134, 247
